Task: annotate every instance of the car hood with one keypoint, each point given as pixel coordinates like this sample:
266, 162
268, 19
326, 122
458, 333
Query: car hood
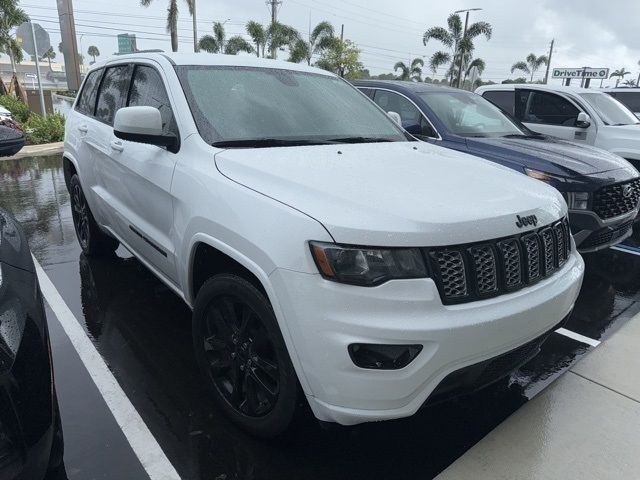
403, 194
14, 249
548, 154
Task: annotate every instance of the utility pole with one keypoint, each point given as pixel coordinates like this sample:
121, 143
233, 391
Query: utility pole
69, 43
546, 75
341, 65
464, 34
35, 49
274, 4
195, 28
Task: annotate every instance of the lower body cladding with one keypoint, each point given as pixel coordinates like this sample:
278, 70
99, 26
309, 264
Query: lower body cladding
324, 320
591, 233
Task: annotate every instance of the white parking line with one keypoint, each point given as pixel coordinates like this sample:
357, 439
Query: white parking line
578, 337
144, 445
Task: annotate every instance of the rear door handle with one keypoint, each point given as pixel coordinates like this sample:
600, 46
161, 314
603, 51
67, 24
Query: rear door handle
83, 128
117, 145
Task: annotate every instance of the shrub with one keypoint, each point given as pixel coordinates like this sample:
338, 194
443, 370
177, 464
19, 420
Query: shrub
20, 111
44, 130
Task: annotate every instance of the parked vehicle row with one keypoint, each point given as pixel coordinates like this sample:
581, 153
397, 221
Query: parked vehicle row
601, 189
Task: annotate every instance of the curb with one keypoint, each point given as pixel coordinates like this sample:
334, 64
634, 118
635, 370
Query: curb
37, 150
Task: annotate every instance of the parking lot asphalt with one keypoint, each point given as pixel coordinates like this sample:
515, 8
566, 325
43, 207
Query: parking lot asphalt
141, 331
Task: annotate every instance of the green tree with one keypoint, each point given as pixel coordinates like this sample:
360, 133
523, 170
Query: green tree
458, 43
629, 83
271, 38
514, 80
217, 43
530, 65
93, 52
343, 58
321, 38
11, 16
620, 73
172, 19
49, 55
410, 72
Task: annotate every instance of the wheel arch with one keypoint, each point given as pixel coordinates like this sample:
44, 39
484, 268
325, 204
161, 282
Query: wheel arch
69, 167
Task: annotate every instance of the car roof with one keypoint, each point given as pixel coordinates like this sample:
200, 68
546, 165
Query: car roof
621, 89
211, 59
537, 86
401, 85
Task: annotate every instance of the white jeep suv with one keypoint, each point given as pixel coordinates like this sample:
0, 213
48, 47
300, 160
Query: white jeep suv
326, 254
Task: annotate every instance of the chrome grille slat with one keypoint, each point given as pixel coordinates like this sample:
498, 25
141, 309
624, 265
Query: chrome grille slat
465, 273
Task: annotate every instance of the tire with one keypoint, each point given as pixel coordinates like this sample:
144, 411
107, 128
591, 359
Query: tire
243, 357
93, 241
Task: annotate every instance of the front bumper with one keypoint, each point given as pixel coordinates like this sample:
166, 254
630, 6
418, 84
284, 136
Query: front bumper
323, 318
591, 233
27, 412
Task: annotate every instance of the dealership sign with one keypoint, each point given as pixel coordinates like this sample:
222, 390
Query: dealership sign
596, 73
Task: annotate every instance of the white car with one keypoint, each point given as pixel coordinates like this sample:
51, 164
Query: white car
582, 115
5, 114
628, 96
326, 254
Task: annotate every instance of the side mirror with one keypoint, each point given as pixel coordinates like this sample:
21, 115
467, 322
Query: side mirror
143, 125
395, 116
413, 128
11, 141
583, 120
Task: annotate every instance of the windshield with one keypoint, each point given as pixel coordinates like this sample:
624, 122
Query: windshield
610, 111
470, 115
262, 107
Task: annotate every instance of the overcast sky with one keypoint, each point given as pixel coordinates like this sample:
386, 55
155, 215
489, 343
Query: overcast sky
587, 32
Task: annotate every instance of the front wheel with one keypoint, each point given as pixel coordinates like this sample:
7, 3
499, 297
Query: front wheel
243, 356
93, 241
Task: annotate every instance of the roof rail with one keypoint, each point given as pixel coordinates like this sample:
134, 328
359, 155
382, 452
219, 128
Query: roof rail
152, 50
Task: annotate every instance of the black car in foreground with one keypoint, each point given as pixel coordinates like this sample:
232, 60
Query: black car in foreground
602, 190
30, 431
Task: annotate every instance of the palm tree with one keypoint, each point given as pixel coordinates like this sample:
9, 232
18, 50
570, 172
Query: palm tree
49, 55
531, 65
321, 38
11, 16
270, 39
629, 83
479, 65
217, 42
411, 72
172, 19
458, 43
93, 52
620, 74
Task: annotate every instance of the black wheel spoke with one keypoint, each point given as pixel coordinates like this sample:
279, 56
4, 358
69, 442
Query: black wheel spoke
213, 343
270, 391
247, 313
265, 366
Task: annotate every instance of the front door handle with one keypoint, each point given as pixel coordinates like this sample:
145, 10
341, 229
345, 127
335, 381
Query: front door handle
83, 128
117, 145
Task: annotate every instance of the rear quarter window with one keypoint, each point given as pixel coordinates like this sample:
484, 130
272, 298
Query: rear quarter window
113, 92
87, 99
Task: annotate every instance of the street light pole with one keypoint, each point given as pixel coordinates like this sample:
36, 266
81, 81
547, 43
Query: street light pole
464, 34
196, 49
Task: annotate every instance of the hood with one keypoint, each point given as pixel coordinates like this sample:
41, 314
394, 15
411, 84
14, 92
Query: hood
14, 249
547, 154
395, 194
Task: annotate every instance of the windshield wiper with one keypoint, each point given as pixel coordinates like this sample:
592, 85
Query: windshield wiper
268, 142
360, 140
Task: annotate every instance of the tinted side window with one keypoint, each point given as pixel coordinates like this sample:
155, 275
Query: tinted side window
87, 100
147, 89
367, 91
501, 99
550, 109
113, 92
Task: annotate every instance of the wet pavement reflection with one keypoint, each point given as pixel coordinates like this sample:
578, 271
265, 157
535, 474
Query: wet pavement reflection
143, 332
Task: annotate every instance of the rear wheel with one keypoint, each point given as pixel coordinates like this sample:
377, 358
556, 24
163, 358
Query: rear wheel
93, 241
242, 354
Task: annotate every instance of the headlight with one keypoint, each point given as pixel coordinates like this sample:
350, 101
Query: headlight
367, 266
542, 176
577, 200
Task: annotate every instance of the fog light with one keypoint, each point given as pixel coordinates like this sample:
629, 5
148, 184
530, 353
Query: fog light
383, 357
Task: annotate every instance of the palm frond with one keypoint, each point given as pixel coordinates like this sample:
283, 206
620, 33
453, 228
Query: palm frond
417, 62
405, 72
440, 34
480, 28
219, 33
237, 44
299, 51
522, 66
438, 59
454, 22
478, 63
321, 30
209, 44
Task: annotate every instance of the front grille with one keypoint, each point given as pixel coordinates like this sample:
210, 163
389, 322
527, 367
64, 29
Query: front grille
611, 201
464, 273
607, 235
